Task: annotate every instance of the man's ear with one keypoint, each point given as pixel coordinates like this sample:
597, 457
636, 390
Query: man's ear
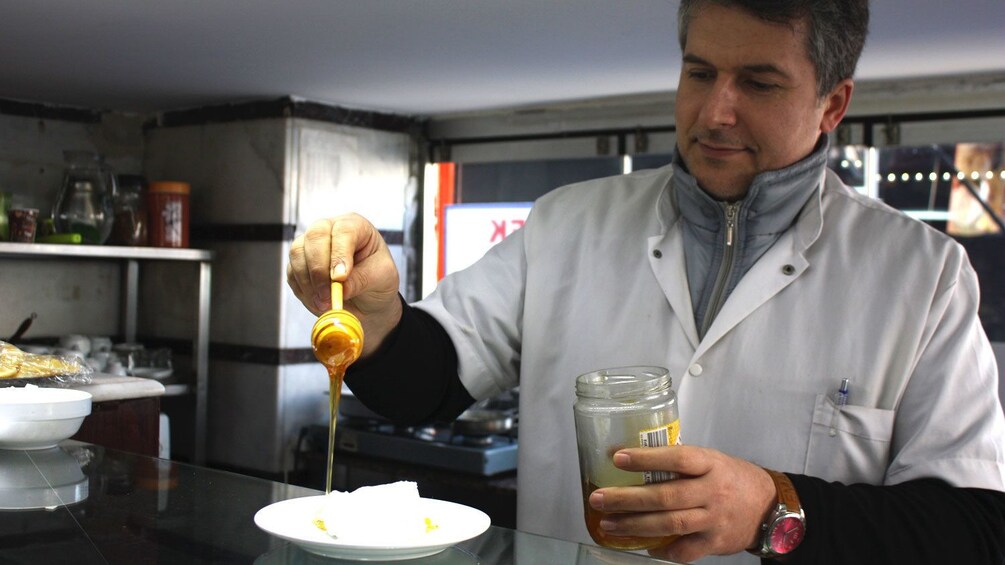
835, 105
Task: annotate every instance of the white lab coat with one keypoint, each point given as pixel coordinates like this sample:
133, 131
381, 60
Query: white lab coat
854, 289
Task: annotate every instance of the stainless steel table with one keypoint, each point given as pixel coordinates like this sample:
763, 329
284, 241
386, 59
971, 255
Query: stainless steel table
81, 503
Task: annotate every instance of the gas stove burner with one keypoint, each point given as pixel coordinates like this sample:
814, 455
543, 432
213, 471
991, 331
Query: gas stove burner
427, 433
481, 455
483, 440
473, 441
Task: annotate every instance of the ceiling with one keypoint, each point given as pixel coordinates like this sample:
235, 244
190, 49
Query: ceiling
413, 57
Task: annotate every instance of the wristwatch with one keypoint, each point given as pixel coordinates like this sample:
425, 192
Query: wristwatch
785, 526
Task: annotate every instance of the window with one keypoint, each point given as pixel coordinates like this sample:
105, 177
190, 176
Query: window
958, 189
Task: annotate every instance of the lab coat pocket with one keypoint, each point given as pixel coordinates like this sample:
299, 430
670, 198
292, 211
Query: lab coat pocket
850, 444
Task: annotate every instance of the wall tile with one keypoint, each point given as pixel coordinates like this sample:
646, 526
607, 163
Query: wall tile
344, 169
31, 153
244, 417
256, 412
69, 296
237, 170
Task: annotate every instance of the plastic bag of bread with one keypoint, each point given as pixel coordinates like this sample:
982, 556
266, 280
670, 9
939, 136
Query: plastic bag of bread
16, 364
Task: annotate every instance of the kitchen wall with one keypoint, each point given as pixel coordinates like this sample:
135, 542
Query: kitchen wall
69, 297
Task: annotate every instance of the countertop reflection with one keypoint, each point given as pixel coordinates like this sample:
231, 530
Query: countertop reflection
83, 503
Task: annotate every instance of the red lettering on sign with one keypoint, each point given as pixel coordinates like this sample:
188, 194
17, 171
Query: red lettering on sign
499, 230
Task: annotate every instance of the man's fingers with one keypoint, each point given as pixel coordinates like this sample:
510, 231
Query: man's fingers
350, 250
657, 524
676, 494
317, 254
682, 459
345, 233
298, 277
684, 549
353, 240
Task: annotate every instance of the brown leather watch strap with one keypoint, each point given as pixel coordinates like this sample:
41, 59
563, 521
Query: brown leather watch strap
786, 490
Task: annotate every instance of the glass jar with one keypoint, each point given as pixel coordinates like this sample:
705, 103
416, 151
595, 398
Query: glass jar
85, 200
618, 408
130, 226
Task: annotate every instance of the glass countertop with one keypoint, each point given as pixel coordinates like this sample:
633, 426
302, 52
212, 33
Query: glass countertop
81, 503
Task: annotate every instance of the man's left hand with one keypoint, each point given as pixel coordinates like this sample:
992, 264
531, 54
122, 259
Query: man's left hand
716, 506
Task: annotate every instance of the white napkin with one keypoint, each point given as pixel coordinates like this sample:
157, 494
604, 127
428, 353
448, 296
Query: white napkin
382, 514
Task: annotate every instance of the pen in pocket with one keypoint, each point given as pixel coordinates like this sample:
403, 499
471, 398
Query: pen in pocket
841, 396
840, 400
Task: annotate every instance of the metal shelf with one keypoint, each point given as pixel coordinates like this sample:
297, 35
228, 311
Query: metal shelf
177, 389
131, 257
52, 250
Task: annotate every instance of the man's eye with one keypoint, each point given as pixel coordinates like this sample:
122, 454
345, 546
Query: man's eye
699, 75
761, 86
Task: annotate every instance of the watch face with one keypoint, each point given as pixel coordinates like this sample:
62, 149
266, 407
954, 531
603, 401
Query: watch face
786, 534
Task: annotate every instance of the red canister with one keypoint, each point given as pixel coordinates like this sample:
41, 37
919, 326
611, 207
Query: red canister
168, 213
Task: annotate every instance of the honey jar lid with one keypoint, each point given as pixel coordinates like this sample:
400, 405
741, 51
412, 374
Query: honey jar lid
169, 186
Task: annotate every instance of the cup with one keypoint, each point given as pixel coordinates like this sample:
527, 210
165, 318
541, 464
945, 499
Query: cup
70, 354
116, 368
129, 353
99, 360
100, 343
76, 342
22, 224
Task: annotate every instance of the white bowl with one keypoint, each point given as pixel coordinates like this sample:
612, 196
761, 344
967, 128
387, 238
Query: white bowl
40, 479
39, 418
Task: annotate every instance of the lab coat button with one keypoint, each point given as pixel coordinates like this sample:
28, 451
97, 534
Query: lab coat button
788, 270
695, 370
657, 253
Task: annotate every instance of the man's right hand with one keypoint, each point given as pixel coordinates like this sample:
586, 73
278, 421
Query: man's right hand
350, 250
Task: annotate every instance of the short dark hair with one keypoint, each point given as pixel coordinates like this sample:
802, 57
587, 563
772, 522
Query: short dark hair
837, 30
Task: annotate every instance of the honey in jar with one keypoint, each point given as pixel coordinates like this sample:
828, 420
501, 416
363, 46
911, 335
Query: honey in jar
615, 409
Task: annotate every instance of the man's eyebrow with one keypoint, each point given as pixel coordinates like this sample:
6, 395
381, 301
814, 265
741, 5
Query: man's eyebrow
761, 68
696, 60
766, 68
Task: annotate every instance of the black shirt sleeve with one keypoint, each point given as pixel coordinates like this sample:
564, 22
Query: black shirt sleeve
413, 377
923, 521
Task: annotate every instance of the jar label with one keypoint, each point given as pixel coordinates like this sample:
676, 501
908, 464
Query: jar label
660, 437
172, 215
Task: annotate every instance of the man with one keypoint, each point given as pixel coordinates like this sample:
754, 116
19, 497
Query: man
761, 282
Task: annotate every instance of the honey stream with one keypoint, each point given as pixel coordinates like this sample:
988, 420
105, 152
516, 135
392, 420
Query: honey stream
337, 339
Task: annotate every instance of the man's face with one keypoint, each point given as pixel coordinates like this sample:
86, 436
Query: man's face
747, 100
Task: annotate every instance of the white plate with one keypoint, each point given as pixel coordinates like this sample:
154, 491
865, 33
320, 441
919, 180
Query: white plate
293, 520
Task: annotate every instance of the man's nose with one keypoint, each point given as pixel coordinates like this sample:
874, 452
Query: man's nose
719, 109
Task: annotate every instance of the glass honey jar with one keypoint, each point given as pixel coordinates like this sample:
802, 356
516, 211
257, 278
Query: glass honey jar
619, 408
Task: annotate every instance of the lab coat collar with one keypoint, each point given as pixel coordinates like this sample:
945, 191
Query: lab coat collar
780, 265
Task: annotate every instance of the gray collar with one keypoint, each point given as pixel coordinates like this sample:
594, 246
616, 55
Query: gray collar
771, 204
